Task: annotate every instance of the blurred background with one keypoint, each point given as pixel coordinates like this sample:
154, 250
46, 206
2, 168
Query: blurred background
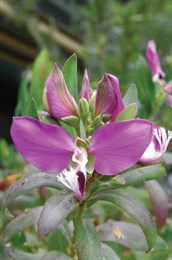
107, 36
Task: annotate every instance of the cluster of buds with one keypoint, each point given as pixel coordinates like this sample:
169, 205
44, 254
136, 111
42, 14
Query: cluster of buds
101, 144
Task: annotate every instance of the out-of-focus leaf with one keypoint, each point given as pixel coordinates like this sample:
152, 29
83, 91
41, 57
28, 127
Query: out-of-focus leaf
22, 221
22, 101
160, 251
57, 208
127, 234
70, 74
108, 253
131, 96
145, 86
29, 182
86, 240
54, 255
32, 109
129, 112
159, 202
20, 255
41, 69
168, 158
56, 241
134, 208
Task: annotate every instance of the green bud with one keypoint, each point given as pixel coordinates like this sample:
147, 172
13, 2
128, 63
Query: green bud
83, 110
71, 120
46, 118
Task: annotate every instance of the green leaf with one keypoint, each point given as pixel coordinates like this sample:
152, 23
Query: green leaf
70, 75
160, 251
126, 234
56, 241
32, 109
159, 202
108, 253
146, 89
134, 208
29, 182
131, 96
129, 112
142, 174
86, 240
20, 255
57, 208
21, 222
54, 255
22, 100
41, 69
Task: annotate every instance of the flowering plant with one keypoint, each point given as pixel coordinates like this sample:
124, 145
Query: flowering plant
89, 148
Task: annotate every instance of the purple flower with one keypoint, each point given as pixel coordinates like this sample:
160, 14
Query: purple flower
154, 63
108, 98
115, 147
157, 146
56, 97
86, 90
168, 88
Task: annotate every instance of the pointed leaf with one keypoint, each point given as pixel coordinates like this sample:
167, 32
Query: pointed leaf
55, 211
86, 240
146, 89
22, 100
129, 112
131, 96
134, 208
41, 69
70, 74
29, 182
32, 109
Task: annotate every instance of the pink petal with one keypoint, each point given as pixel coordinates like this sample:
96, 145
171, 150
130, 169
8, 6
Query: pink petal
47, 147
118, 146
153, 60
158, 145
168, 88
108, 98
86, 90
56, 96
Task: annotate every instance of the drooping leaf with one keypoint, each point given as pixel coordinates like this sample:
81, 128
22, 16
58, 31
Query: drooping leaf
134, 208
57, 208
24, 220
20, 255
86, 240
160, 251
127, 234
131, 96
70, 74
108, 253
129, 112
29, 182
159, 200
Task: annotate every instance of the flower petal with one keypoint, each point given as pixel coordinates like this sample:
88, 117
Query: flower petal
168, 88
108, 98
118, 146
48, 147
56, 96
157, 146
154, 63
86, 90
